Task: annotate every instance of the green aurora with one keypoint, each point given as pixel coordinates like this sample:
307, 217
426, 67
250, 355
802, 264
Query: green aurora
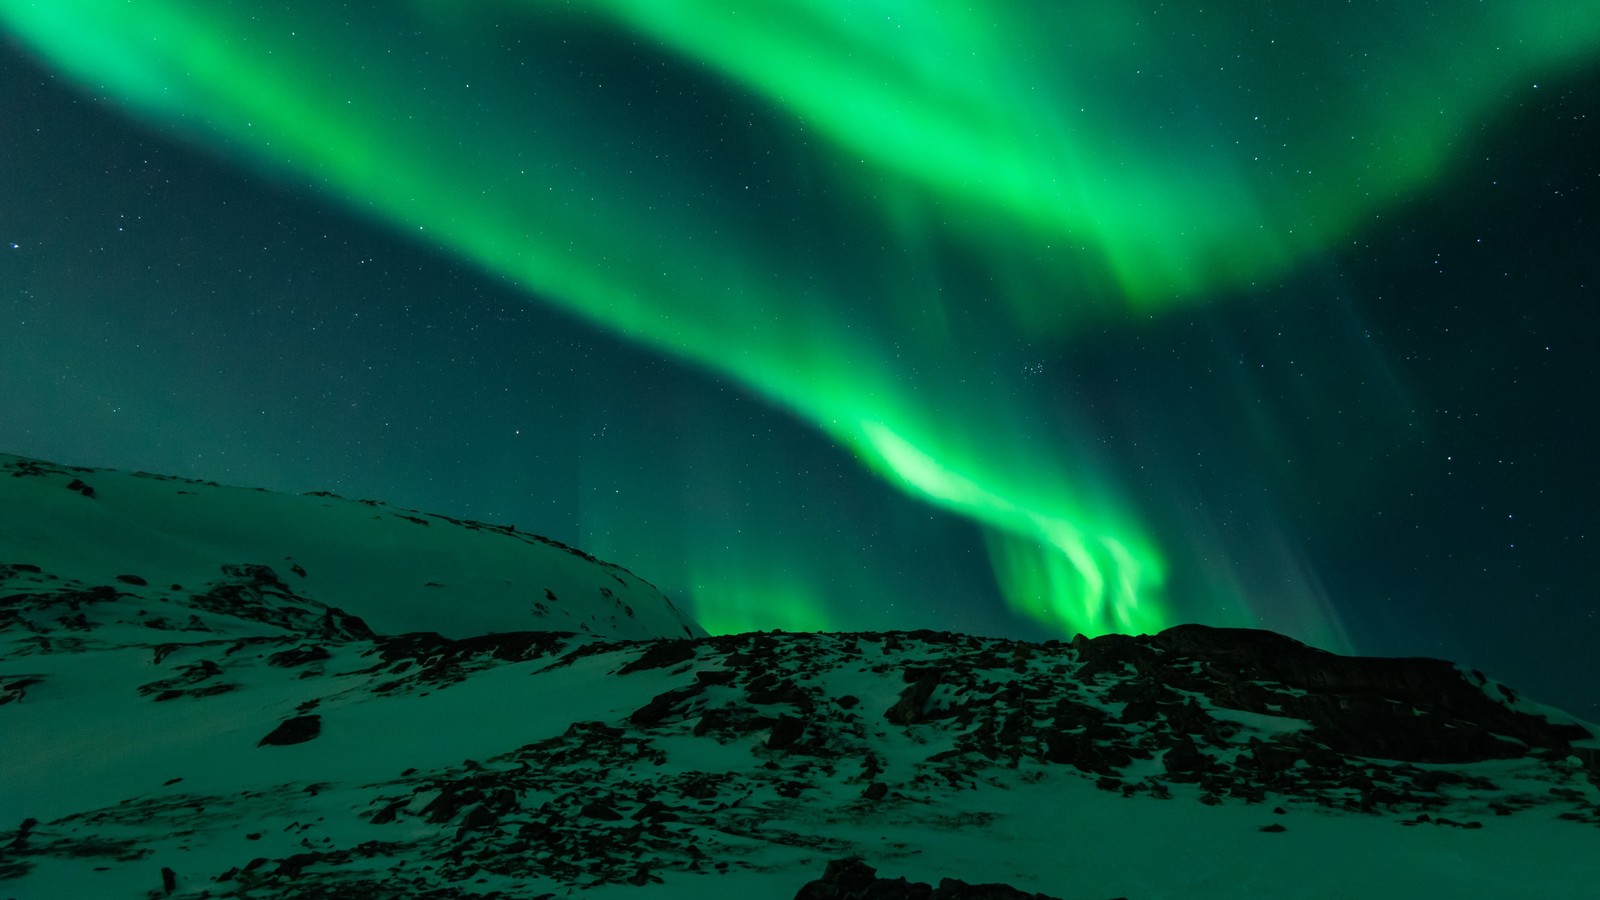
895, 206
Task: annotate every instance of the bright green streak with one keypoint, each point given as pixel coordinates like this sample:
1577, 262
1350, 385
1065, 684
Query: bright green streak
1058, 572
1075, 156
1186, 155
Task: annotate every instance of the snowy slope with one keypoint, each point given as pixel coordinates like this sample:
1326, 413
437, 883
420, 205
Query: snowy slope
398, 570
268, 748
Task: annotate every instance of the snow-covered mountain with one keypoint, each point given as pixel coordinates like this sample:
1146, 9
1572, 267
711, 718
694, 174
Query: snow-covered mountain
215, 692
168, 546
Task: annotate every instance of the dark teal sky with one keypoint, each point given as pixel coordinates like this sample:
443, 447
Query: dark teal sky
1385, 446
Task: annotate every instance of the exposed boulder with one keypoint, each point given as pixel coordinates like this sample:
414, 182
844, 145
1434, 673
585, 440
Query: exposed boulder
297, 730
853, 879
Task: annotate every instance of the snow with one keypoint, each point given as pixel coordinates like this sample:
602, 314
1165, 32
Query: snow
399, 570
509, 754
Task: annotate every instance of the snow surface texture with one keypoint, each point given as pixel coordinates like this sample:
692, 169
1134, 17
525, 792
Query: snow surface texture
398, 570
184, 713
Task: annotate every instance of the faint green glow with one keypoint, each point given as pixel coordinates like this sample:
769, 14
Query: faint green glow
987, 177
751, 604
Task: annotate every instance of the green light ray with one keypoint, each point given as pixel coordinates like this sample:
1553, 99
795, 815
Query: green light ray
734, 603
953, 154
1006, 107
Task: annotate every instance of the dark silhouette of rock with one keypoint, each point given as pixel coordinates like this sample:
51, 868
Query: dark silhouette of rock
19, 842
1411, 709
785, 731
1184, 761
914, 699
853, 879
662, 705
291, 867
709, 677
299, 656
297, 730
661, 654
602, 810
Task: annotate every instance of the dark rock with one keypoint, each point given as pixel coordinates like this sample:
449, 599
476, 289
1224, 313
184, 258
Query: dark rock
169, 880
660, 655
1085, 753
132, 579
598, 730
1409, 709
875, 791
297, 730
711, 720
1113, 654
1141, 711
479, 818
20, 842
16, 688
853, 879
390, 811
601, 809
785, 731
299, 656
453, 797
776, 691
913, 700
661, 706
291, 867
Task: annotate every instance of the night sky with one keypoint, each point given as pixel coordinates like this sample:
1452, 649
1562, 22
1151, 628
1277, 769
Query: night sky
1019, 319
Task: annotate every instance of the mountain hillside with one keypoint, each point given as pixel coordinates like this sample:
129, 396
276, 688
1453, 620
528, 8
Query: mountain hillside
168, 546
258, 733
